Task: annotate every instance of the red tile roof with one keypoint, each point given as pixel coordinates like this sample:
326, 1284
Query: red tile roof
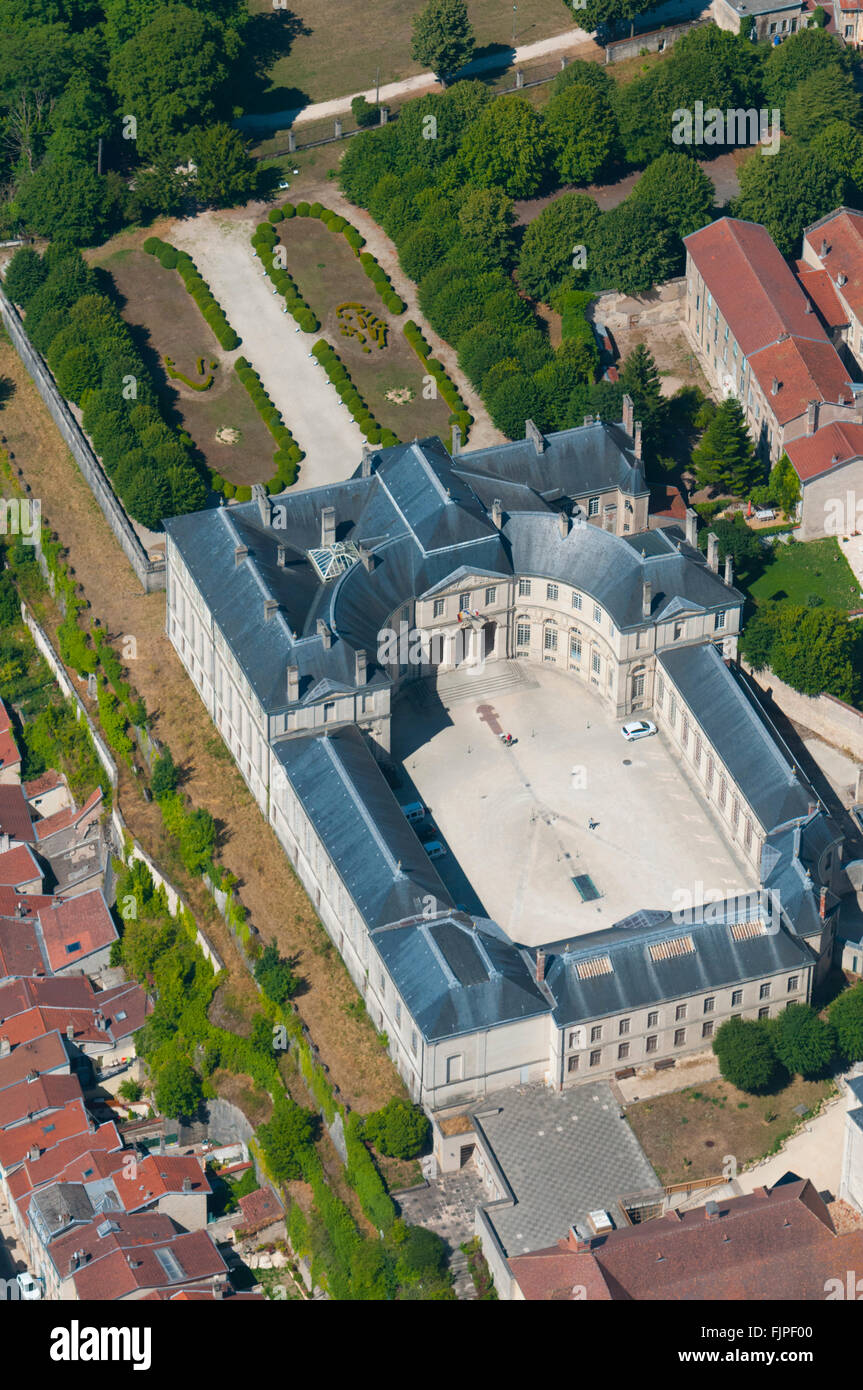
779, 1244
805, 370
73, 928
814, 454
9, 754
54, 1165
30, 1097
843, 232
70, 815
260, 1208
819, 287
15, 813
19, 948
124, 1261
43, 1133
59, 1001
748, 277
44, 1054
45, 783
19, 865
15, 904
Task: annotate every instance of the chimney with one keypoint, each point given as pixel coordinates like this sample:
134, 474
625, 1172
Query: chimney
293, 684
497, 513
713, 552
535, 436
281, 555
240, 553
774, 389
628, 415
328, 526
366, 469
576, 1243
563, 525
711, 1211
636, 440
540, 966
456, 440
692, 527
265, 506
729, 569
760, 1192
646, 598
366, 555
822, 905
811, 417
824, 247
271, 608
70, 1031
33, 1155
808, 309
841, 279
588, 420
5, 1047
361, 668
325, 634
187, 1184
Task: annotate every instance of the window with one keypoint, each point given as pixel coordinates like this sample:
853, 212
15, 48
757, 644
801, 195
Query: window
551, 592
596, 1033
464, 602
455, 1067
684, 732
575, 648
597, 613
653, 1018
678, 631
764, 1013
735, 812
747, 833
549, 638
413, 1041
522, 635
398, 1013
524, 588
696, 756
572, 1063
764, 991
709, 1004
680, 1012
793, 983
622, 1052
650, 1043
718, 621
490, 596
736, 998
596, 1057
660, 689
438, 608
638, 685
329, 710
573, 1039
679, 1037
72, 947
576, 601
623, 1027
723, 791
596, 663
593, 506
672, 712
707, 1029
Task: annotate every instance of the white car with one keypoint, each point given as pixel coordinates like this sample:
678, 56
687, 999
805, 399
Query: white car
30, 1288
434, 849
639, 728
284, 184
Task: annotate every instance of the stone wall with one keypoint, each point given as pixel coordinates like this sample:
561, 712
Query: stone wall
150, 573
617, 310
657, 40
831, 719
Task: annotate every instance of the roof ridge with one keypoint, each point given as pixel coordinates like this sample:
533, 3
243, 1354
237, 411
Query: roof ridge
344, 777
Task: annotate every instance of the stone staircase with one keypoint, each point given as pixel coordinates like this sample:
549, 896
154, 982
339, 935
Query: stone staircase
474, 683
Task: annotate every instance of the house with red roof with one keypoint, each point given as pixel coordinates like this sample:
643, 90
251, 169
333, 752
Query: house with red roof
10, 758
78, 933
20, 870
16, 827
48, 793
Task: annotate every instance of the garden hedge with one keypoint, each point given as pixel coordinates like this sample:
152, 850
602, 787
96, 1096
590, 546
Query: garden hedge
339, 376
182, 262
460, 415
288, 452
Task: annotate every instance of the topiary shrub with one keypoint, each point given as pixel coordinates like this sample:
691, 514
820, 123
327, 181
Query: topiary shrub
288, 210
302, 209
275, 215
316, 210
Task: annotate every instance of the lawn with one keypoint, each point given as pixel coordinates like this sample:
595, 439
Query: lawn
328, 48
328, 274
792, 572
166, 322
688, 1134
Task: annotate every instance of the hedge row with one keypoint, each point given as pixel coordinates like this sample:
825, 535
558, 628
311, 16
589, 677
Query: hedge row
264, 241
460, 416
363, 1176
182, 262
340, 377
382, 283
288, 452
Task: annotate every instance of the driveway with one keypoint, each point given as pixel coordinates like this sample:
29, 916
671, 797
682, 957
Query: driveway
219, 243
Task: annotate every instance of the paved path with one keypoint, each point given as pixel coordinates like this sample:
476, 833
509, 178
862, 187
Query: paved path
300, 389
411, 86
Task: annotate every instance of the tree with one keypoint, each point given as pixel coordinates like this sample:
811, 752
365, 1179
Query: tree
422, 249
759, 635
846, 1016
24, 274
10, 604
678, 190
549, 249
485, 221
226, 173
131, 1090
784, 485
274, 975
363, 112
786, 192
735, 539
507, 147
631, 249
517, 398
443, 37
642, 132
197, 839
178, 1089
724, 456
828, 95
399, 1130
745, 1053
163, 779
421, 1254
817, 650
802, 1041
808, 51
286, 1137
584, 73
583, 131
640, 379
68, 201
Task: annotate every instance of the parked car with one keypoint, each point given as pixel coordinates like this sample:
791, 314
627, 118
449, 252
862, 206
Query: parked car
284, 184
765, 514
638, 728
30, 1288
414, 812
434, 849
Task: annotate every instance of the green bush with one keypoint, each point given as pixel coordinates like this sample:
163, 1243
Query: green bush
400, 1130
302, 209
275, 215
316, 210
288, 210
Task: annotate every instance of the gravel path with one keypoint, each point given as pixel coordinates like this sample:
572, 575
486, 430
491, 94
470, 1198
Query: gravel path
219, 244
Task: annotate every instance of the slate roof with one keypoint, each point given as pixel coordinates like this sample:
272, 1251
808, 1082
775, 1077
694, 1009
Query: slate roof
589, 458
342, 789
737, 729
458, 974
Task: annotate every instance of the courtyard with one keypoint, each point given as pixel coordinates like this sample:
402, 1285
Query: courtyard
516, 820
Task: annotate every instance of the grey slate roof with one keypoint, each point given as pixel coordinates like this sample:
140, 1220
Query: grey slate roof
590, 458
384, 867
738, 731
458, 975
637, 981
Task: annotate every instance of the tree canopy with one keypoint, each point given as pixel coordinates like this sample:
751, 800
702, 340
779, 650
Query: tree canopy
745, 1054
443, 37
